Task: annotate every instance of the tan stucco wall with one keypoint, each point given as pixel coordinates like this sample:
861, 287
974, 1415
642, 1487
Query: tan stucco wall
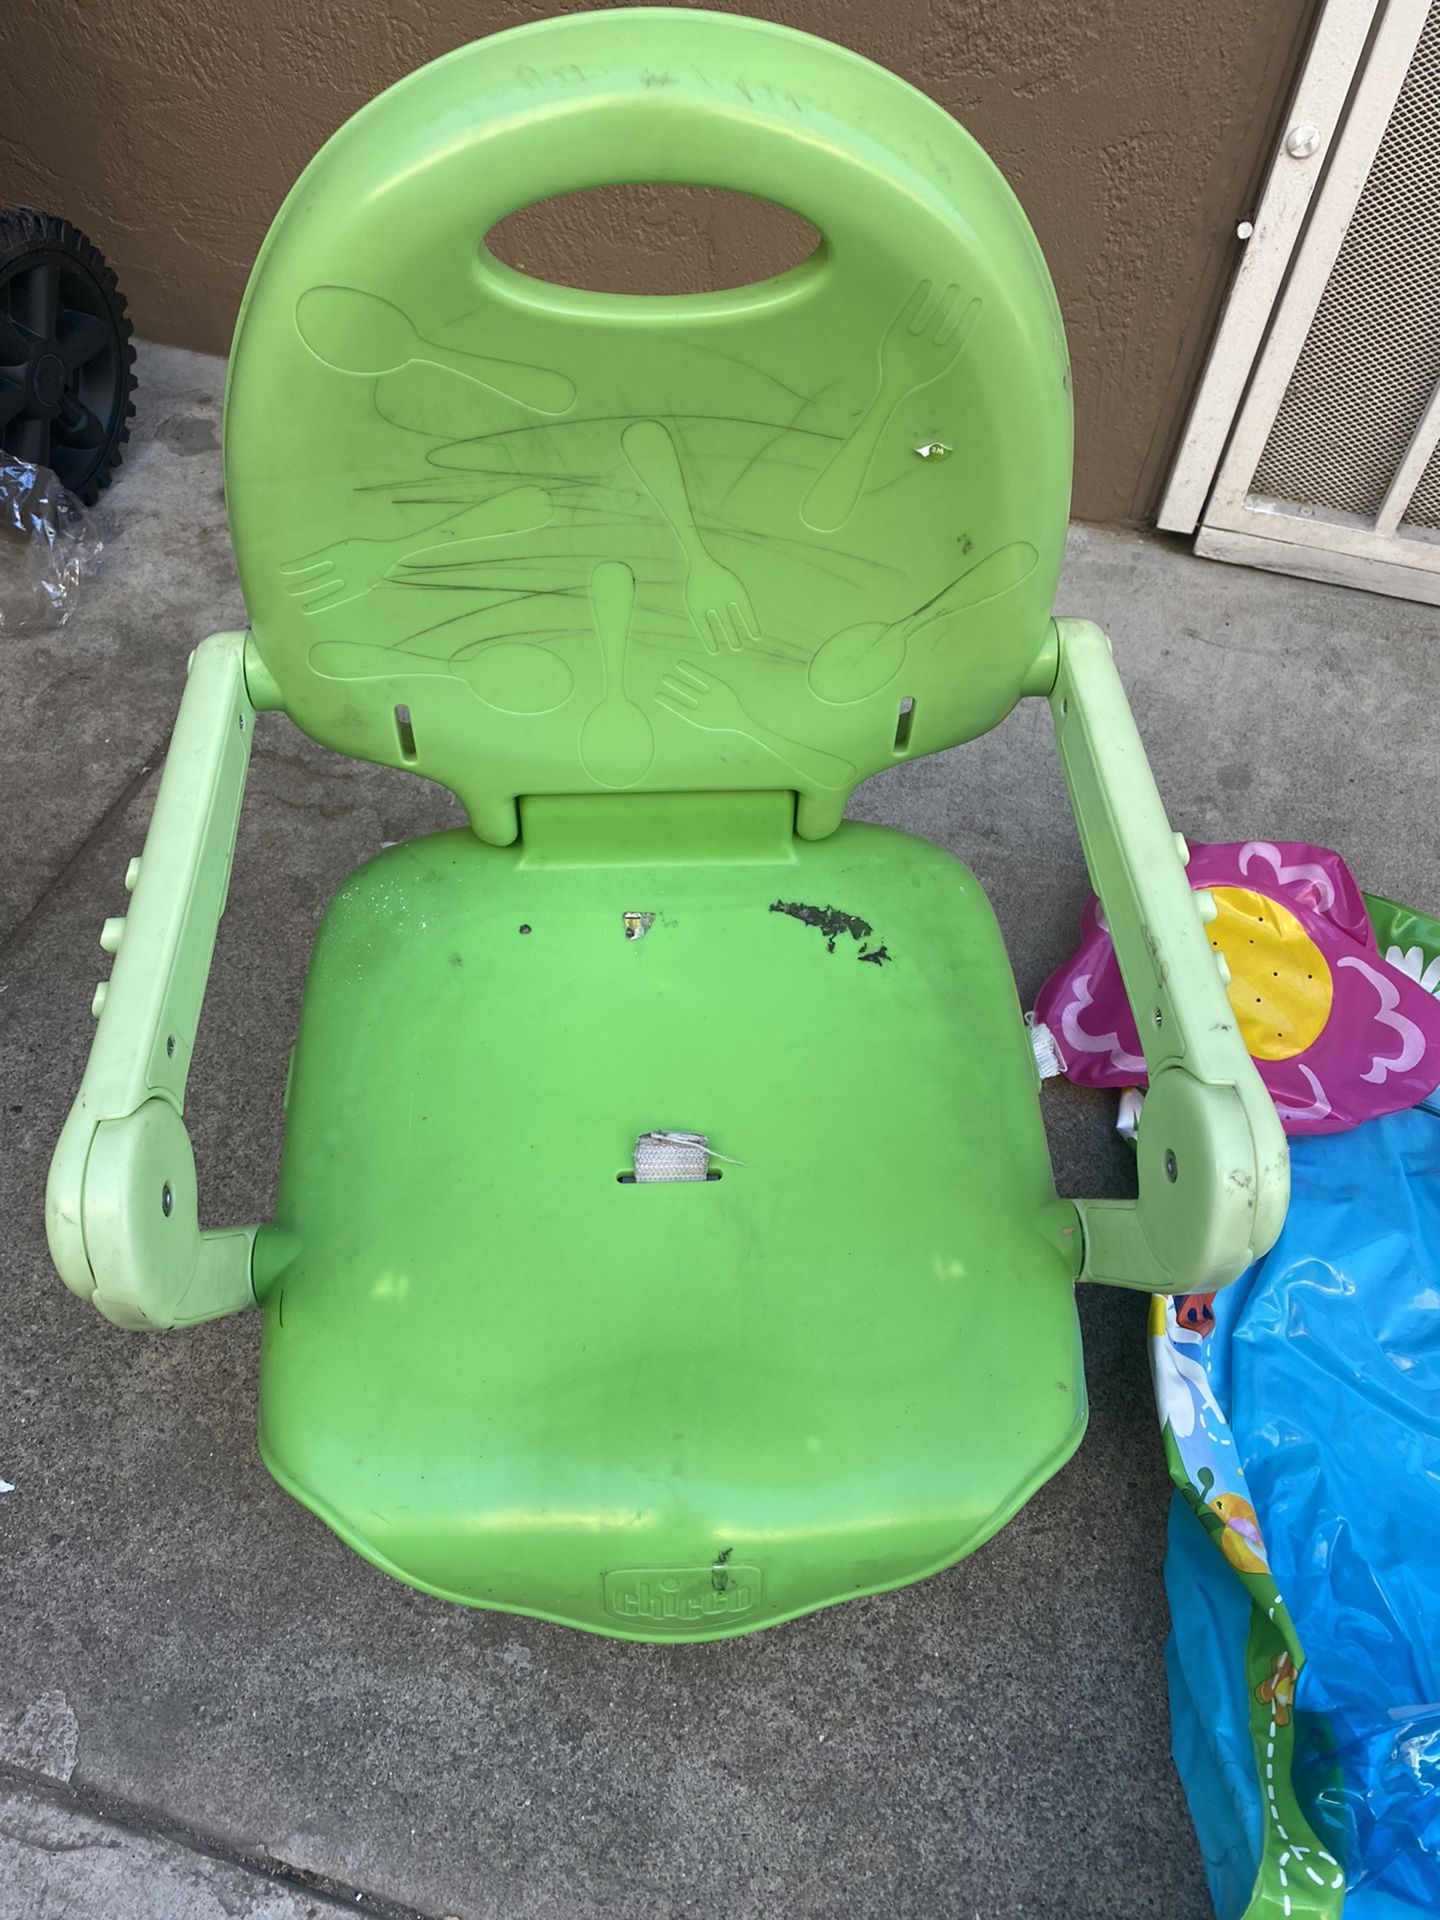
1134, 131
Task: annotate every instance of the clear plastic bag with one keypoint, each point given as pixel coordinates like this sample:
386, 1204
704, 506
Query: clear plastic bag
48, 545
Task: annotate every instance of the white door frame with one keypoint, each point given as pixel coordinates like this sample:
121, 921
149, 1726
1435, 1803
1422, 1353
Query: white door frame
1287, 265
1299, 160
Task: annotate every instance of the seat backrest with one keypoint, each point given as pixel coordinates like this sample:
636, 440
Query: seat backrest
526, 539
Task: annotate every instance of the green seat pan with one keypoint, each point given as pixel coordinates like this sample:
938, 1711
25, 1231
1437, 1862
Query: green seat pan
652, 584
515, 1380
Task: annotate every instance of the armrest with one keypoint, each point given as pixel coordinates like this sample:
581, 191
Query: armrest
120, 1204
1214, 1170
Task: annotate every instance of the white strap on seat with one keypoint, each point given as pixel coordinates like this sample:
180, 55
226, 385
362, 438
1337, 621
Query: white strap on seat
672, 1156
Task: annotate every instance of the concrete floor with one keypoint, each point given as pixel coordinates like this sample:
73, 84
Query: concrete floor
993, 1742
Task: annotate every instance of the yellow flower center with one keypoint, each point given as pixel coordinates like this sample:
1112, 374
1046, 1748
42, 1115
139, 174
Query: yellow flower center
1280, 984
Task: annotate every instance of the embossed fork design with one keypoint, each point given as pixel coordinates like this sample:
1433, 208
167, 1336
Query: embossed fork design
334, 575
715, 598
923, 341
706, 701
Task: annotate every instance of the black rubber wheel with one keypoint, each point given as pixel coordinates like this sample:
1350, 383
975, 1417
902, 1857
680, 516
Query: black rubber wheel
66, 356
